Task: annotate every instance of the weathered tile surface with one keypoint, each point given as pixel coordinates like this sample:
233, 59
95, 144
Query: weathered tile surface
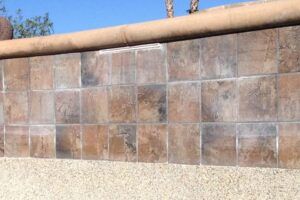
289, 145
1, 74
257, 52
41, 107
289, 49
94, 105
41, 72
95, 69
68, 144
289, 97
122, 143
42, 141
122, 104
183, 60
257, 99
184, 102
219, 101
218, 144
67, 70
151, 66
152, 143
218, 58
16, 108
16, 74
184, 143
257, 145
1, 108
16, 141
152, 103
1, 141
123, 68
95, 142
67, 107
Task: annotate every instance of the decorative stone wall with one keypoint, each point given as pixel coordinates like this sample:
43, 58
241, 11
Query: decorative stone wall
223, 100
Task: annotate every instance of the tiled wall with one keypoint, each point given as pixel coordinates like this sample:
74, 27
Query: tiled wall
224, 100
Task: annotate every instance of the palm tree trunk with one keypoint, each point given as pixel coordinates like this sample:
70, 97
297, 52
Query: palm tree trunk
194, 6
170, 8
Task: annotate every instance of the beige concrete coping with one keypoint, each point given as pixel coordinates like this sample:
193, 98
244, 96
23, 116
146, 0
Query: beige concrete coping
212, 22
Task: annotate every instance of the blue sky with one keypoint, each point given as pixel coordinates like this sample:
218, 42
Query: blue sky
77, 15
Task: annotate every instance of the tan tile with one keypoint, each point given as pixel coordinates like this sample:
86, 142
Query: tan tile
94, 105
152, 143
67, 70
184, 143
95, 69
16, 141
257, 99
16, 108
1, 74
218, 56
1, 108
41, 72
122, 104
289, 145
289, 49
95, 142
16, 74
257, 145
218, 144
41, 108
219, 101
184, 102
122, 143
257, 52
152, 103
1, 141
67, 107
68, 142
123, 68
183, 60
151, 66
42, 141
289, 97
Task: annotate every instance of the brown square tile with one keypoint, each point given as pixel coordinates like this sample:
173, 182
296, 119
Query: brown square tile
42, 141
152, 103
67, 107
94, 105
183, 60
218, 56
68, 142
16, 108
122, 143
95, 142
95, 69
16, 74
122, 104
289, 145
41, 72
67, 70
123, 68
289, 49
257, 145
151, 66
41, 108
16, 141
184, 102
1, 141
289, 97
184, 143
1, 108
218, 144
152, 143
257, 99
257, 52
219, 101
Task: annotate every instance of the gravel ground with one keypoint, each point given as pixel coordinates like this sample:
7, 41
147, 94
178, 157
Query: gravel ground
69, 179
